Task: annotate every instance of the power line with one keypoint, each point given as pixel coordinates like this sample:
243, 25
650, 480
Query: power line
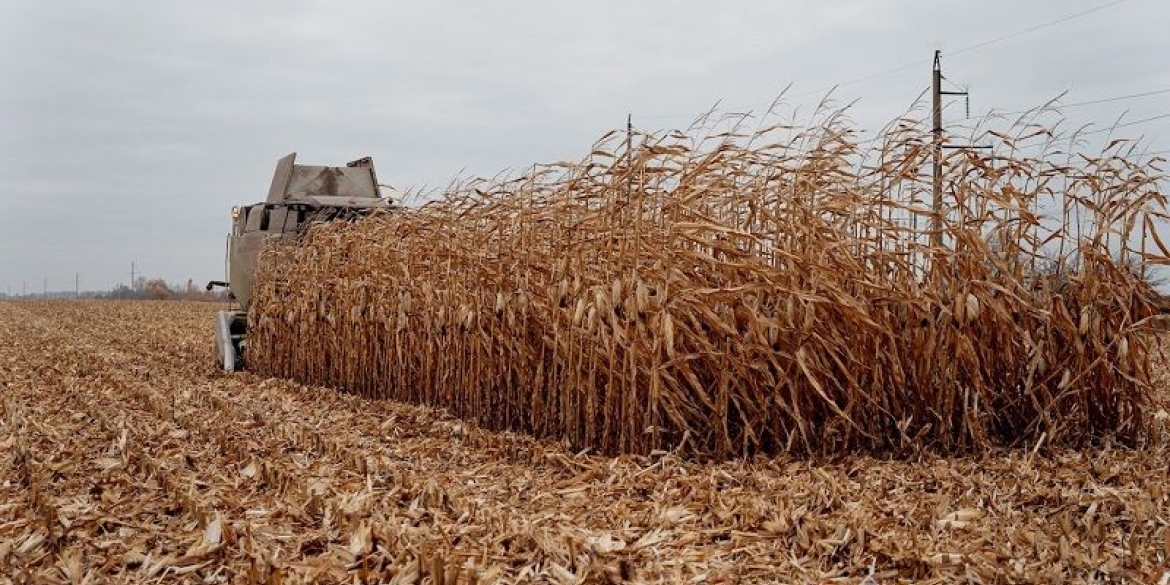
882, 134
913, 64
1035, 28
1076, 104
971, 47
1117, 98
1134, 123
873, 76
954, 85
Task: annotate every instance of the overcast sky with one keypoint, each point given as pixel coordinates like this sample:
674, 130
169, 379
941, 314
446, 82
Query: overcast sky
128, 129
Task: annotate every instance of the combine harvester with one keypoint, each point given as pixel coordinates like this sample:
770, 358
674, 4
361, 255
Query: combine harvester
300, 196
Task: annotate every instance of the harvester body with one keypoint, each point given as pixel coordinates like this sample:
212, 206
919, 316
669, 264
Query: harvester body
300, 196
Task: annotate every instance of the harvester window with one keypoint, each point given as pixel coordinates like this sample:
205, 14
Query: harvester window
256, 215
278, 220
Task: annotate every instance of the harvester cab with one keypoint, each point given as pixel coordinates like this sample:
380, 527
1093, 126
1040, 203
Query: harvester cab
300, 196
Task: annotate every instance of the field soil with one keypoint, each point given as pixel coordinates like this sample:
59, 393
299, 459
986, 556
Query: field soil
126, 457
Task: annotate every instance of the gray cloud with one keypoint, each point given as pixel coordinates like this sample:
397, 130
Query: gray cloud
128, 132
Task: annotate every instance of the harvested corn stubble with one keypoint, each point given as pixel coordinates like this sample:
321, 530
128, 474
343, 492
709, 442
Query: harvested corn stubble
127, 457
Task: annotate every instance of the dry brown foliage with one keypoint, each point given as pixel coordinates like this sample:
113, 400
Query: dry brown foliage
745, 292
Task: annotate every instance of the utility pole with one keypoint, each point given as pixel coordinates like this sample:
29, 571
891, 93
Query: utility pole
629, 156
77, 285
937, 131
936, 231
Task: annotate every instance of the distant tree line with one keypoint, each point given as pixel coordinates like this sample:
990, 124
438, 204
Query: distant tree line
158, 290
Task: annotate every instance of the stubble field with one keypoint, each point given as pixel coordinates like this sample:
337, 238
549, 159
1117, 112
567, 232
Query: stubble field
126, 457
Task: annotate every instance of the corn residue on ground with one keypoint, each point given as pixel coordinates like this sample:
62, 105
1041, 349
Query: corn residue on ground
126, 457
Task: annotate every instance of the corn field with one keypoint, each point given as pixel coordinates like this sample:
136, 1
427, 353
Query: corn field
728, 291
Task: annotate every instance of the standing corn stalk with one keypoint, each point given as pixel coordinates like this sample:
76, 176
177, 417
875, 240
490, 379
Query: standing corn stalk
737, 294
